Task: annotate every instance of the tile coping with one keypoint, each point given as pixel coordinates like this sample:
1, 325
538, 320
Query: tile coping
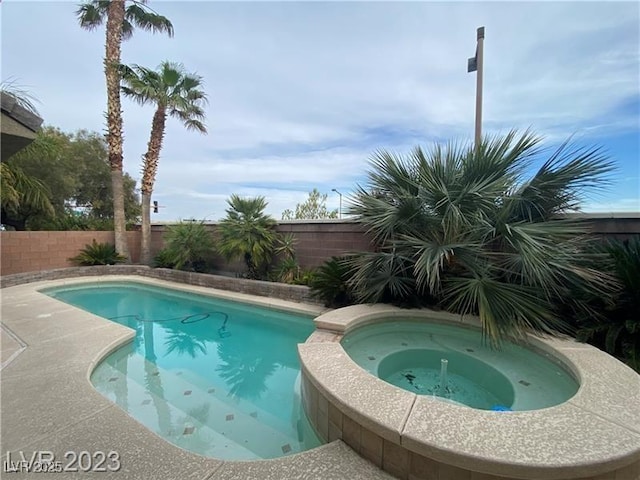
333, 457
594, 432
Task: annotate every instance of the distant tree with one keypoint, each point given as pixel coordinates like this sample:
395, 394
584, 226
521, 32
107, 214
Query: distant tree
175, 93
314, 207
93, 189
89, 154
120, 18
73, 170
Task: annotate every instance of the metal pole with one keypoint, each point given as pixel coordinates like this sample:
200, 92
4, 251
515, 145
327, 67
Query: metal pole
479, 59
339, 211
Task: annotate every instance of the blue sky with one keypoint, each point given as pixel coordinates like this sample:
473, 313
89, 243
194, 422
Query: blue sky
301, 93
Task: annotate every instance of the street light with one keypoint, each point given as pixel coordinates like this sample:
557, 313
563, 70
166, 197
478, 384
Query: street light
476, 64
340, 210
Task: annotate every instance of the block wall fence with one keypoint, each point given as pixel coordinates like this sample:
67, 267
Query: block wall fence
316, 242
34, 251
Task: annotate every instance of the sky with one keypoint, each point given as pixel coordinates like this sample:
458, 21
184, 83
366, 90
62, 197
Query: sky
301, 94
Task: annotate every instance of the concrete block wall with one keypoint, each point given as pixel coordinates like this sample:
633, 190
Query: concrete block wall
293, 293
618, 228
32, 251
316, 242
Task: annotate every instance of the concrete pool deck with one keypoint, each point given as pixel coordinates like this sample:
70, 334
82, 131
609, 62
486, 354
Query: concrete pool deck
48, 404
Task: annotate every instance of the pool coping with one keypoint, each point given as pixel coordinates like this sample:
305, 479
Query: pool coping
49, 404
595, 432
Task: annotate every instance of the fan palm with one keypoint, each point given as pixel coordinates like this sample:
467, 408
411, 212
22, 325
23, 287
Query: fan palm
617, 329
187, 245
469, 228
174, 93
121, 17
16, 187
248, 233
19, 190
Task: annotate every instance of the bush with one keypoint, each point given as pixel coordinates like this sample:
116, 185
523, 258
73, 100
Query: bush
287, 271
98, 254
330, 283
617, 327
480, 232
164, 259
188, 246
305, 277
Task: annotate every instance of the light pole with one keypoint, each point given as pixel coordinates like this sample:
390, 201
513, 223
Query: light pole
340, 210
476, 64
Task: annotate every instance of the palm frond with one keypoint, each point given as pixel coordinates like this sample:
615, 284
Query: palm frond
20, 95
142, 17
381, 276
247, 233
465, 225
561, 183
506, 310
92, 14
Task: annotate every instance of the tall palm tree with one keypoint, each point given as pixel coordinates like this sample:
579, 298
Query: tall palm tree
175, 93
121, 19
470, 229
248, 233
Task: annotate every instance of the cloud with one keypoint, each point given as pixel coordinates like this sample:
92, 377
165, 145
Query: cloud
301, 93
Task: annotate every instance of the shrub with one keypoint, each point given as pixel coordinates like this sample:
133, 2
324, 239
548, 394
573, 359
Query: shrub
471, 229
305, 277
164, 259
286, 246
617, 327
287, 270
188, 245
330, 283
98, 254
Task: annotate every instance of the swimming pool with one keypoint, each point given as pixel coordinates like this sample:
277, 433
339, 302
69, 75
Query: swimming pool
212, 376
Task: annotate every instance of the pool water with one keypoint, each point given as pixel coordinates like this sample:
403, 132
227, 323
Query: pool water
426, 381
409, 354
215, 377
465, 380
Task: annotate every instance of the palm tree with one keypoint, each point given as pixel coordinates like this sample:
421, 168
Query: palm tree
21, 191
17, 189
248, 233
175, 93
469, 229
120, 19
188, 245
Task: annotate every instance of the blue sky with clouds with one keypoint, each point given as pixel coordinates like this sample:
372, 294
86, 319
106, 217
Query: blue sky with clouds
301, 93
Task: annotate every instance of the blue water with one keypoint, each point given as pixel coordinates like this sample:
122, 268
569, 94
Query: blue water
409, 353
215, 377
